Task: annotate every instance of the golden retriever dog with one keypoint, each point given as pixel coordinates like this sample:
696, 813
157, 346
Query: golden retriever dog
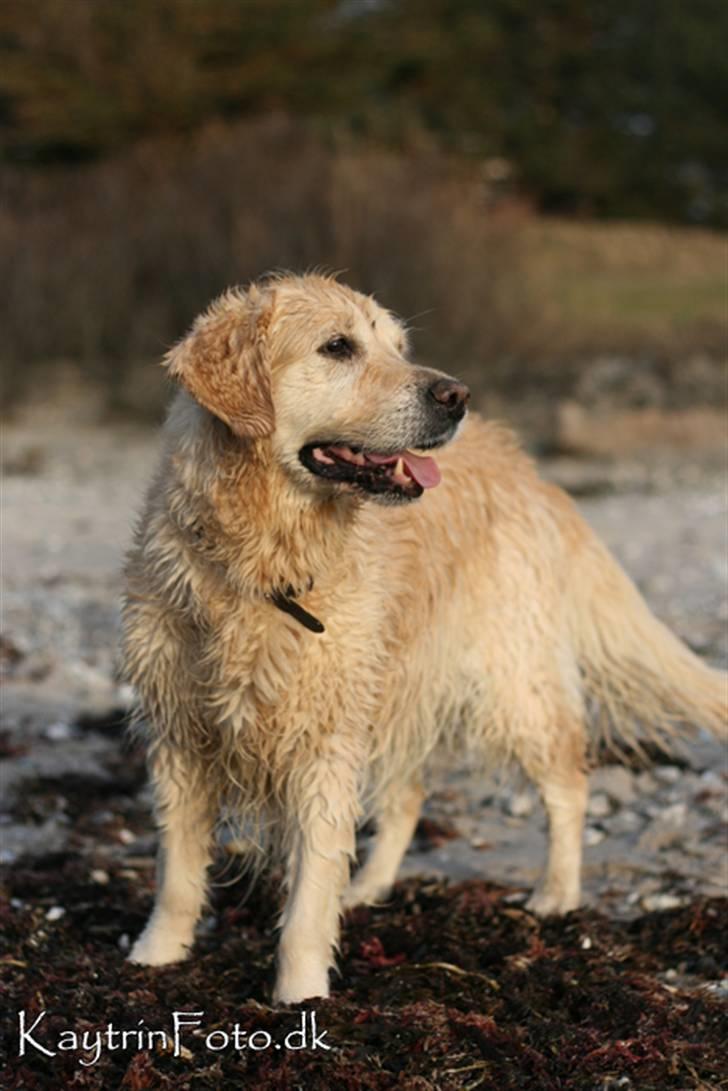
317, 607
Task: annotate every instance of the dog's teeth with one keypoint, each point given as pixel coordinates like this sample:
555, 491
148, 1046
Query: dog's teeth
399, 473
319, 455
358, 458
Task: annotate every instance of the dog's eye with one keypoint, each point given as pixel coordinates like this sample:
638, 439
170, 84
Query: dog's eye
340, 347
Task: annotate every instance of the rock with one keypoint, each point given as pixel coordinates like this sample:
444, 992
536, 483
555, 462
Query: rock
656, 902
125, 695
712, 781
669, 827
645, 782
616, 782
20, 839
480, 843
599, 805
668, 774
60, 731
593, 835
717, 988
675, 814
614, 1083
520, 804
624, 821
55, 913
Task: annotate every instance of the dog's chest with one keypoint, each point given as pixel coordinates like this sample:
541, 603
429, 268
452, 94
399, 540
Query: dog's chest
268, 673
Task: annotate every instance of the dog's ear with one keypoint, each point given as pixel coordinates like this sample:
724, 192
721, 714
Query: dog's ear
223, 362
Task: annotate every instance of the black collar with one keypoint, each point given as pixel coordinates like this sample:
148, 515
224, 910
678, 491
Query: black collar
286, 601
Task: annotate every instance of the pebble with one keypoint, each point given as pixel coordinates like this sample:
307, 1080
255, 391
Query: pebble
126, 836
652, 902
517, 898
658, 836
593, 835
668, 774
645, 782
615, 781
100, 876
55, 913
124, 942
480, 843
712, 780
125, 695
586, 943
60, 731
717, 988
675, 814
599, 805
624, 821
520, 804
90, 677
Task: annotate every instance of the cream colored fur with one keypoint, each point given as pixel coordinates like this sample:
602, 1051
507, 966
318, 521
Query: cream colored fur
477, 621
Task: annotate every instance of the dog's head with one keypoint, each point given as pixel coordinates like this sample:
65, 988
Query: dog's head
321, 373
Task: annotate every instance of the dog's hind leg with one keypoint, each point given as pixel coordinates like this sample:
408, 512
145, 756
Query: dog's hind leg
318, 871
396, 821
186, 820
563, 784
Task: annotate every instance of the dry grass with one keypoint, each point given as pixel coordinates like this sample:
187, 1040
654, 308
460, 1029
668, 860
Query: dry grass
627, 286
105, 266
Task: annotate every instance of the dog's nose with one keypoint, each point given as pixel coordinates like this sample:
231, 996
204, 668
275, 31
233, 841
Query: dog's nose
452, 395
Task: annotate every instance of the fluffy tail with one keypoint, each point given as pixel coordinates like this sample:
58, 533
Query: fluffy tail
636, 671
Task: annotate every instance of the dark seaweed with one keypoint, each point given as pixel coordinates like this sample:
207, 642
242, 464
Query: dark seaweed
449, 986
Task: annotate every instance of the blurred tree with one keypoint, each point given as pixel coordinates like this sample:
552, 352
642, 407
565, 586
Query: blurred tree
612, 107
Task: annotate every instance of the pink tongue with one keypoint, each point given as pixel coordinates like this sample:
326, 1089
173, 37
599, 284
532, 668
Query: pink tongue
424, 470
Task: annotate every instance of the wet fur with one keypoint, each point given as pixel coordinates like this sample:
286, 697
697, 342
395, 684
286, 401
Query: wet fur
479, 621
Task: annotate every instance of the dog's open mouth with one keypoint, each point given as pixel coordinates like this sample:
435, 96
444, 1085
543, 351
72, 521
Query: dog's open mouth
403, 473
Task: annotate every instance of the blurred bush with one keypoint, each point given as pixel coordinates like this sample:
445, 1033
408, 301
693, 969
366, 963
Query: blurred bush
106, 265
153, 154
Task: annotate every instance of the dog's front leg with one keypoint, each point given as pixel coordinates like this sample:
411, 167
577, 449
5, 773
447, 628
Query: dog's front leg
186, 816
318, 871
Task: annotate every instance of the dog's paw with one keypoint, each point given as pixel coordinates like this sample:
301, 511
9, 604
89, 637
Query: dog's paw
366, 894
545, 903
301, 976
154, 948
294, 990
